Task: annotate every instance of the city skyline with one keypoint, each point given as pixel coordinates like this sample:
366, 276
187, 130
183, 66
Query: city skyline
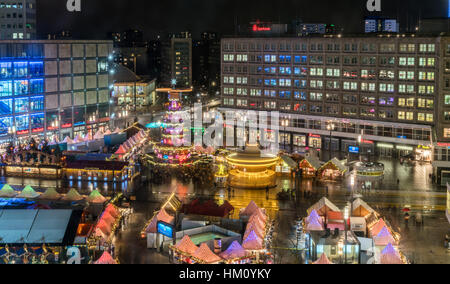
222, 16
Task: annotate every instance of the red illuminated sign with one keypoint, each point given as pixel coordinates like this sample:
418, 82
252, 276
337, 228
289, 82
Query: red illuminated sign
257, 28
314, 136
67, 125
22, 132
38, 130
52, 128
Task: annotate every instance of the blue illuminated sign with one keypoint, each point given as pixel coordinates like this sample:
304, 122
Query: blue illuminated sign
354, 150
165, 229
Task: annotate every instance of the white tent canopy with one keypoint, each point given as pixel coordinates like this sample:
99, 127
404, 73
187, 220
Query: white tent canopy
324, 203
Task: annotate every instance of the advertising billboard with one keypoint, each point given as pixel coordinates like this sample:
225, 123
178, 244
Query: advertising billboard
165, 229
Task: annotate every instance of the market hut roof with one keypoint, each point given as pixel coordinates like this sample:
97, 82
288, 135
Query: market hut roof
73, 195
205, 255
7, 191
96, 197
313, 161
361, 208
335, 163
28, 192
323, 206
252, 242
378, 227
186, 245
313, 216
251, 227
121, 150
234, 251
323, 260
112, 210
163, 216
68, 140
106, 258
390, 256
257, 220
314, 225
50, 194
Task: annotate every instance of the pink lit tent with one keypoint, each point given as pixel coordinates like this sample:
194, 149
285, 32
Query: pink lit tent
78, 139
99, 135
112, 210
117, 131
106, 258
234, 251
257, 220
390, 256
261, 214
108, 132
252, 242
249, 210
88, 137
314, 225
323, 260
121, 151
254, 228
384, 238
107, 218
68, 140
161, 216
186, 245
205, 255
378, 227
104, 227
312, 216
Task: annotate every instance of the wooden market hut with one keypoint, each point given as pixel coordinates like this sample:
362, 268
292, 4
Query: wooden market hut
310, 165
334, 169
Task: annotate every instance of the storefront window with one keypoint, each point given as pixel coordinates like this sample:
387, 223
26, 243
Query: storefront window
6, 106
20, 69
37, 103
37, 122
36, 68
300, 140
52, 120
66, 118
5, 69
21, 87
6, 123
79, 116
22, 105
22, 123
36, 86
5, 88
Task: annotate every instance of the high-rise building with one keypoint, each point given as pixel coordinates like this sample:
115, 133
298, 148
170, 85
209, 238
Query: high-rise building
206, 62
176, 61
53, 88
381, 25
388, 95
18, 19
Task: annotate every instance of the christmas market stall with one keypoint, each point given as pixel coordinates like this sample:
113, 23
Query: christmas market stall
7, 192
323, 207
391, 256
332, 170
106, 259
361, 209
323, 260
310, 165
104, 231
236, 254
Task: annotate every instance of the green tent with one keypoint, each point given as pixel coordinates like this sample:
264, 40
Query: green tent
7, 191
96, 197
28, 192
50, 194
73, 195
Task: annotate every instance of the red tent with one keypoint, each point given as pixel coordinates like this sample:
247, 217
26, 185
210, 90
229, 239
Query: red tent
205, 255
106, 258
186, 245
323, 260
121, 150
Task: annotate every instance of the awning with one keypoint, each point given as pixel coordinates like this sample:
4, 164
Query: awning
288, 160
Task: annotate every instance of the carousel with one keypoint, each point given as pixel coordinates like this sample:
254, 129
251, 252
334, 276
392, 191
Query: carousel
251, 169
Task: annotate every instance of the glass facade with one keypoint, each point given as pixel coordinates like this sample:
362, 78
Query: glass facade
21, 96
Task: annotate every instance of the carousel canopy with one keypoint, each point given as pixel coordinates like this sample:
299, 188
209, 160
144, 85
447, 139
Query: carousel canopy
390, 256
106, 258
323, 260
50, 194
186, 245
252, 242
73, 195
234, 251
323, 206
96, 197
205, 254
7, 191
28, 192
361, 208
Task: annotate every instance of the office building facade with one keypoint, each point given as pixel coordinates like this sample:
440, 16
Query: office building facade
18, 19
381, 25
386, 94
176, 61
53, 88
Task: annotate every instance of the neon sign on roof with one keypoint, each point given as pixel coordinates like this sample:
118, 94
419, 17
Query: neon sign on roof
257, 28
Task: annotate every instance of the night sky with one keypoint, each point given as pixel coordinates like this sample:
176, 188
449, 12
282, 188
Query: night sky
98, 17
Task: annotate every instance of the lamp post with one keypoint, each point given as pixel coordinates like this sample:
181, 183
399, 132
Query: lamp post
346, 217
285, 124
331, 127
359, 145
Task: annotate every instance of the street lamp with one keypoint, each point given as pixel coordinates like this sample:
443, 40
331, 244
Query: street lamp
285, 124
360, 140
346, 217
331, 127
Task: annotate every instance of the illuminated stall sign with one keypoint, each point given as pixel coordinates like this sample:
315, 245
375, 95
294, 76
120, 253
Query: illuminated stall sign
165, 229
354, 150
